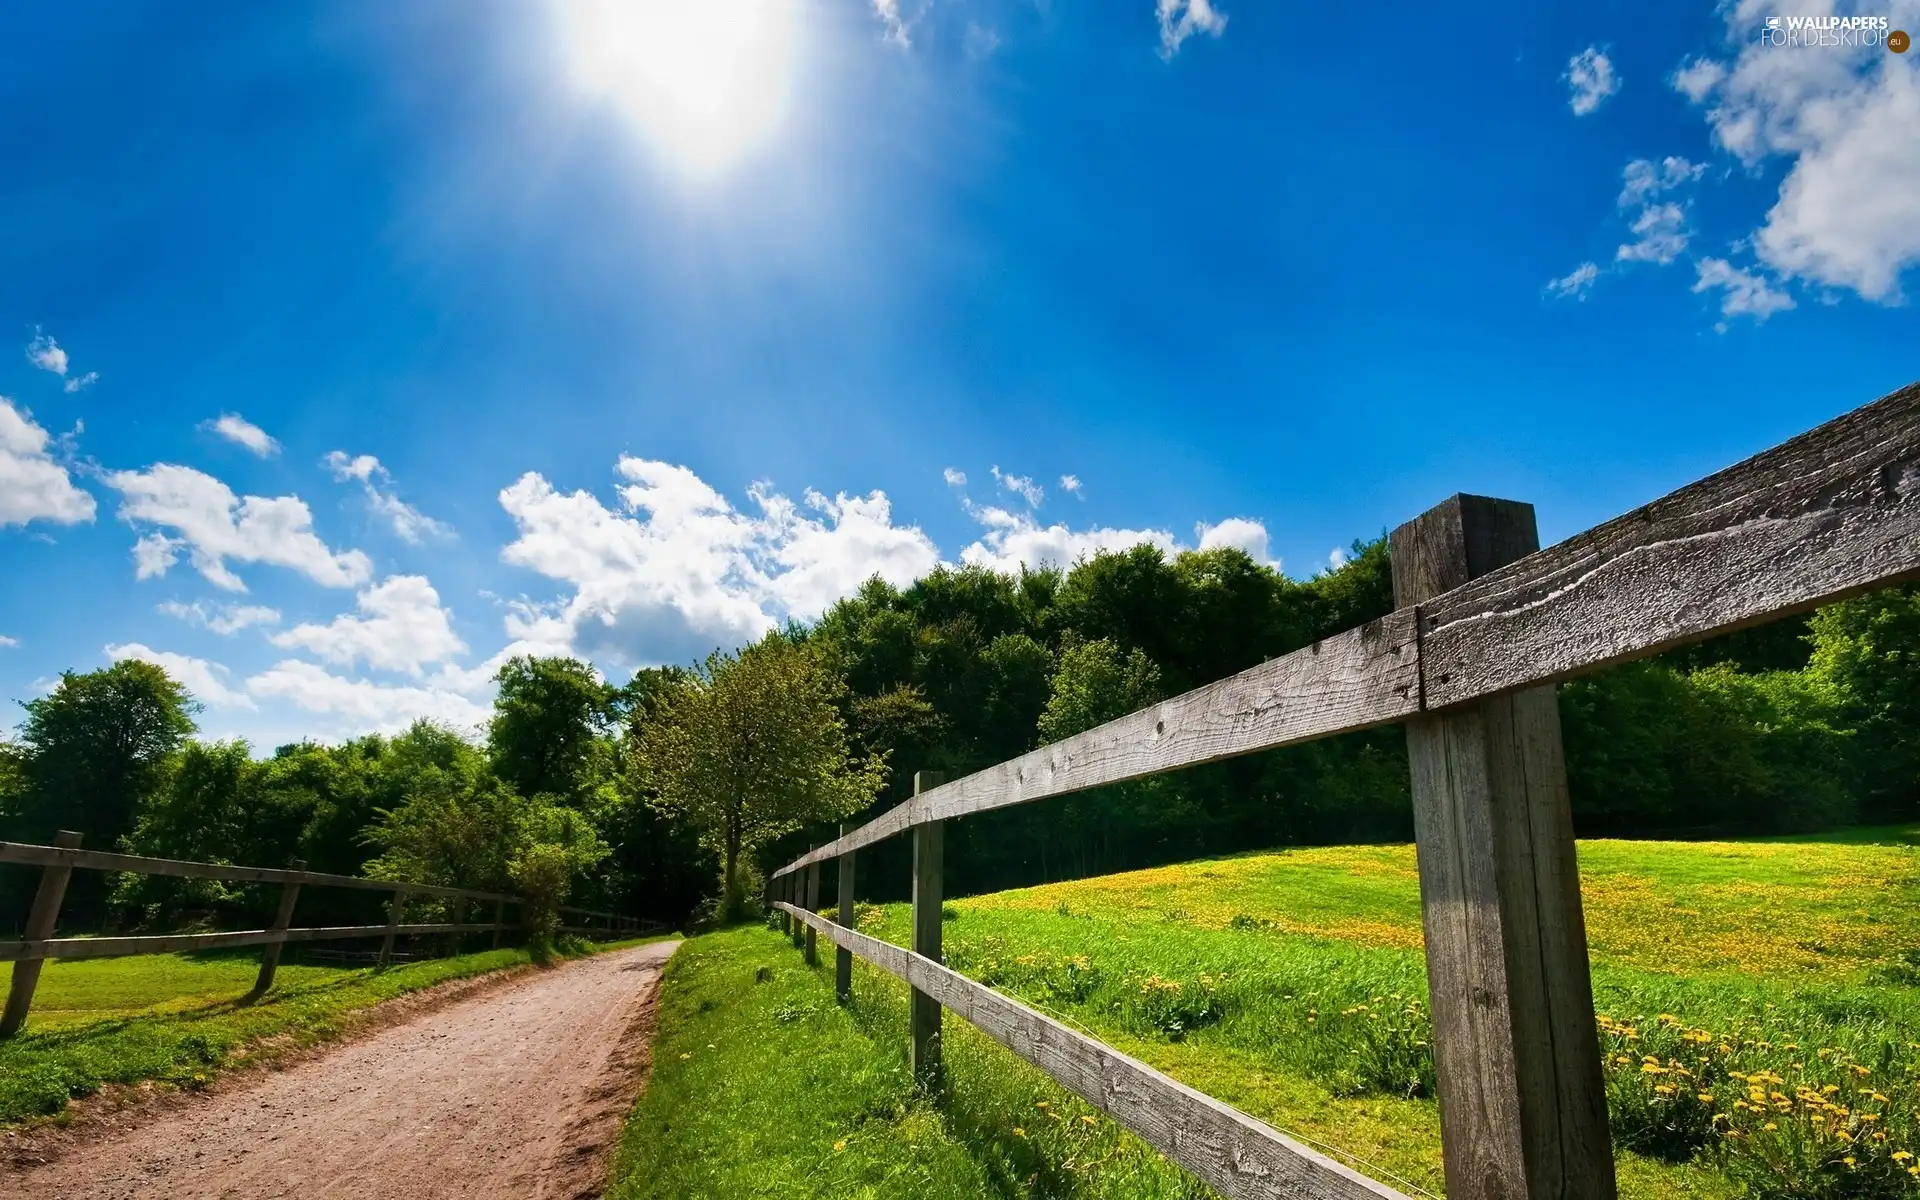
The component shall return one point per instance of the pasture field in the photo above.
(181, 1019)
(1759, 1001)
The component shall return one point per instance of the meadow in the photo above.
(180, 1020)
(1758, 1012)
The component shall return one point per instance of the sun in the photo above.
(705, 81)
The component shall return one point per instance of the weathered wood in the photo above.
(182, 943)
(929, 894)
(842, 957)
(1830, 513)
(797, 896)
(1237, 1156)
(395, 913)
(28, 854)
(813, 905)
(499, 921)
(1522, 1106)
(1364, 677)
(282, 918)
(41, 920)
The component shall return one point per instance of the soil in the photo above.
(516, 1090)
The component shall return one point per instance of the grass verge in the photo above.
(181, 1019)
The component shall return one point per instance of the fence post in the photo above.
(797, 896)
(813, 906)
(843, 957)
(1523, 1112)
(924, 1014)
(499, 921)
(41, 919)
(395, 911)
(270, 955)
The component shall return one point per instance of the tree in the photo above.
(1868, 650)
(751, 747)
(95, 748)
(547, 720)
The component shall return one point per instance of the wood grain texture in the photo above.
(1237, 1156)
(28, 854)
(282, 921)
(1522, 1105)
(1364, 677)
(813, 905)
(929, 896)
(1830, 513)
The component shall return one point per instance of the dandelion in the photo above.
(840, 1145)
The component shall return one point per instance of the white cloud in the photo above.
(1241, 534)
(1575, 283)
(223, 619)
(954, 478)
(1848, 211)
(982, 40)
(401, 626)
(1013, 540)
(1742, 293)
(361, 706)
(33, 487)
(676, 570)
(213, 525)
(1181, 19)
(407, 522)
(1072, 484)
(242, 432)
(206, 680)
(1336, 558)
(1591, 78)
(1021, 486)
(8, 643)
(45, 353)
(899, 27)
(1659, 225)
(79, 381)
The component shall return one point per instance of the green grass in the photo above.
(1292, 986)
(181, 1019)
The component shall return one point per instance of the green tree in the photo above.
(753, 746)
(96, 747)
(549, 720)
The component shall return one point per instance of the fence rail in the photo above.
(1485, 624)
(58, 862)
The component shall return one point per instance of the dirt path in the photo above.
(517, 1092)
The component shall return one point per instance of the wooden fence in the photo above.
(58, 862)
(1486, 624)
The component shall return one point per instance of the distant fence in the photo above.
(58, 862)
(1486, 625)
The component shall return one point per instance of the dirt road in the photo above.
(515, 1092)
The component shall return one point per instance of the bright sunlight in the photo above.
(705, 81)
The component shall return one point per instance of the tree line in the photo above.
(671, 794)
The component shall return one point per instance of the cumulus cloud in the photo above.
(1574, 284)
(242, 432)
(1072, 485)
(212, 525)
(407, 522)
(1182, 19)
(8, 643)
(358, 706)
(33, 487)
(898, 27)
(1021, 486)
(1742, 293)
(1336, 558)
(223, 619)
(45, 353)
(206, 680)
(1239, 533)
(1591, 79)
(399, 625)
(954, 478)
(674, 569)
(1659, 224)
(1848, 210)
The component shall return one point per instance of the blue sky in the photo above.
(358, 345)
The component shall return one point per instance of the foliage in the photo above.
(548, 719)
(752, 746)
